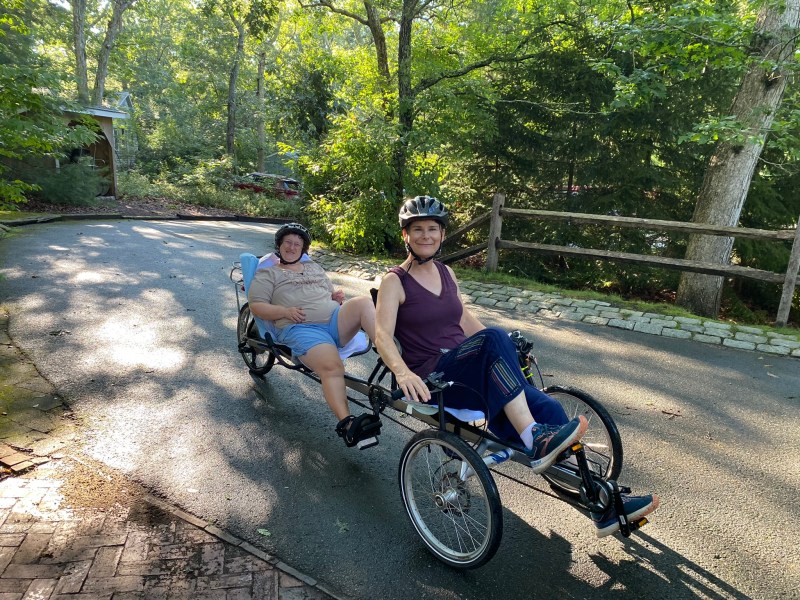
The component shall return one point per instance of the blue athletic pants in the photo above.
(487, 376)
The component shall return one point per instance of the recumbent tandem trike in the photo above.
(445, 471)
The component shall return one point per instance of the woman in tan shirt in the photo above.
(314, 320)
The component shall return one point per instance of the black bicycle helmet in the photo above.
(423, 207)
(285, 230)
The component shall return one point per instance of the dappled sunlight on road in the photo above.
(136, 323)
(139, 345)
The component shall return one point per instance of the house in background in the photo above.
(126, 142)
(103, 150)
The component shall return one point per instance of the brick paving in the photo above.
(142, 550)
(61, 538)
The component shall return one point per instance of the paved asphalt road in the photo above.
(134, 322)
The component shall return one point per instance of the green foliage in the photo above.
(346, 179)
(204, 187)
(362, 225)
(622, 101)
(31, 123)
(73, 184)
(135, 184)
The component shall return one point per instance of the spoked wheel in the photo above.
(258, 362)
(451, 498)
(602, 443)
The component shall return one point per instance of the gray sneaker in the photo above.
(636, 507)
(549, 441)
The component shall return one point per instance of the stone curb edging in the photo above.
(594, 312)
(238, 542)
(543, 304)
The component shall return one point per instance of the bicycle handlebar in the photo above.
(433, 381)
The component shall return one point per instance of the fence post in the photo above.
(790, 282)
(495, 229)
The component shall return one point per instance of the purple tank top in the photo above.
(427, 323)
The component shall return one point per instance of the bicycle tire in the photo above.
(602, 442)
(259, 363)
(460, 519)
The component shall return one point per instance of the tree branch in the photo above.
(339, 11)
(428, 83)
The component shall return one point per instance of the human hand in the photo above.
(295, 314)
(338, 296)
(414, 387)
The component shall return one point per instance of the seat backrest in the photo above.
(250, 264)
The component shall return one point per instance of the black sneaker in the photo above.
(549, 441)
(635, 507)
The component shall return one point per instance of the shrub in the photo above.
(196, 190)
(74, 184)
(135, 184)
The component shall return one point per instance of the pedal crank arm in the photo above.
(590, 492)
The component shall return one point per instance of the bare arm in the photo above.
(273, 312)
(390, 297)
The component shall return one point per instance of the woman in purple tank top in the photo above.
(420, 306)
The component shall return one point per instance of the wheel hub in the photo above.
(452, 495)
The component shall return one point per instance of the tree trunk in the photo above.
(731, 167)
(379, 39)
(79, 40)
(382, 56)
(114, 27)
(405, 95)
(234, 76)
(261, 137)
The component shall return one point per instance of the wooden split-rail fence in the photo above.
(495, 243)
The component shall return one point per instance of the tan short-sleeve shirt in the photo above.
(310, 290)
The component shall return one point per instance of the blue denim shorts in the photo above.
(304, 336)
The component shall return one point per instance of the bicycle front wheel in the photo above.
(451, 499)
(601, 442)
(259, 362)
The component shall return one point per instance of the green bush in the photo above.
(364, 225)
(135, 184)
(74, 184)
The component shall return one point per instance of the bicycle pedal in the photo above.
(367, 443)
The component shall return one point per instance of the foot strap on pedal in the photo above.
(361, 431)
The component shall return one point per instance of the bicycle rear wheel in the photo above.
(451, 499)
(601, 442)
(259, 362)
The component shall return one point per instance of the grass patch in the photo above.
(16, 215)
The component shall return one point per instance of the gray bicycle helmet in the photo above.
(285, 230)
(295, 228)
(423, 207)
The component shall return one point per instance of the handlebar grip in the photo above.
(433, 381)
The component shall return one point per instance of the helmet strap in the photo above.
(286, 262)
(422, 261)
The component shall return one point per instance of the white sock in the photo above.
(527, 435)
